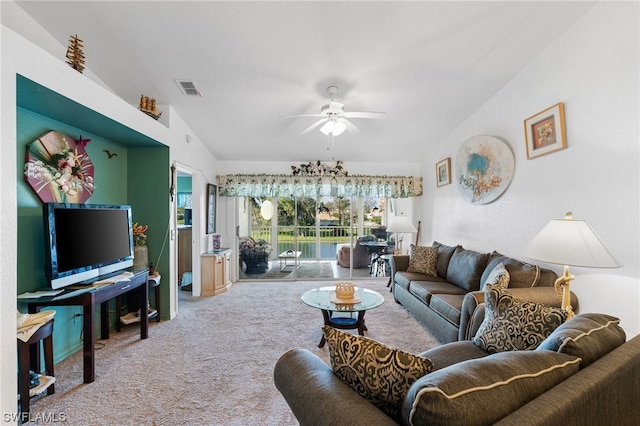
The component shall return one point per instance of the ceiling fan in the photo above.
(334, 119)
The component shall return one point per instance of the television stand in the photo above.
(89, 299)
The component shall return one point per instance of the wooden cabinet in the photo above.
(184, 251)
(215, 272)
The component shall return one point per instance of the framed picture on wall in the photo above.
(545, 132)
(211, 208)
(443, 172)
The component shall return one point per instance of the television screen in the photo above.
(86, 241)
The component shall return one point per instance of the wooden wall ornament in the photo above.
(75, 54)
(58, 168)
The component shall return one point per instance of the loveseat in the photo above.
(448, 298)
(583, 374)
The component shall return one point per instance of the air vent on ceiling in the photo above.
(188, 88)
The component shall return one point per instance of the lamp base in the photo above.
(562, 286)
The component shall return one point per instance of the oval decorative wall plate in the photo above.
(484, 168)
(59, 169)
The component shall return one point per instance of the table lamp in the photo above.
(569, 242)
(401, 224)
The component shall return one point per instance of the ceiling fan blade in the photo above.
(313, 126)
(350, 126)
(303, 115)
(364, 114)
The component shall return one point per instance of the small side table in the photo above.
(27, 361)
(289, 254)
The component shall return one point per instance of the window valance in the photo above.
(312, 186)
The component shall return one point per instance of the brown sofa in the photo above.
(603, 391)
(451, 304)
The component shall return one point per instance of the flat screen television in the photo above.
(86, 241)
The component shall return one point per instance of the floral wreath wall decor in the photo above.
(319, 169)
(484, 168)
(58, 168)
(545, 132)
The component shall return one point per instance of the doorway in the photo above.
(184, 229)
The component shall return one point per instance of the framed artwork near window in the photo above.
(443, 172)
(211, 208)
(545, 132)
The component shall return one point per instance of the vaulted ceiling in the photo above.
(427, 64)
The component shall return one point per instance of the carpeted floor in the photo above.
(213, 364)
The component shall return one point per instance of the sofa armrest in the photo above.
(318, 397)
(399, 262)
(472, 313)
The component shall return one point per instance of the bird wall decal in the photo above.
(110, 154)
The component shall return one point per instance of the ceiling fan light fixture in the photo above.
(333, 127)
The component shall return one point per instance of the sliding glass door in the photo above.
(304, 238)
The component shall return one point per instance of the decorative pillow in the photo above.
(466, 267)
(375, 371)
(522, 274)
(511, 324)
(423, 260)
(444, 256)
(589, 336)
(499, 277)
(483, 391)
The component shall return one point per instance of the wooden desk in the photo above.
(89, 298)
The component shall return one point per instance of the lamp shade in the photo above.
(401, 223)
(570, 242)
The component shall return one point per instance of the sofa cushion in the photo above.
(498, 277)
(377, 372)
(466, 267)
(423, 260)
(522, 274)
(589, 336)
(448, 306)
(483, 391)
(404, 279)
(423, 290)
(444, 256)
(511, 324)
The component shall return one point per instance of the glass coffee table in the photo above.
(346, 316)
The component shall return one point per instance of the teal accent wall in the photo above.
(148, 189)
(138, 175)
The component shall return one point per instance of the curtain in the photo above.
(311, 186)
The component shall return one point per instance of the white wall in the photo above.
(593, 69)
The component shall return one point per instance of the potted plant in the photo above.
(255, 255)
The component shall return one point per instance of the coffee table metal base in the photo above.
(343, 323)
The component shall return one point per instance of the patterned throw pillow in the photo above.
(511, 324)
(499, 277)
(375, 371)
(423, 260)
